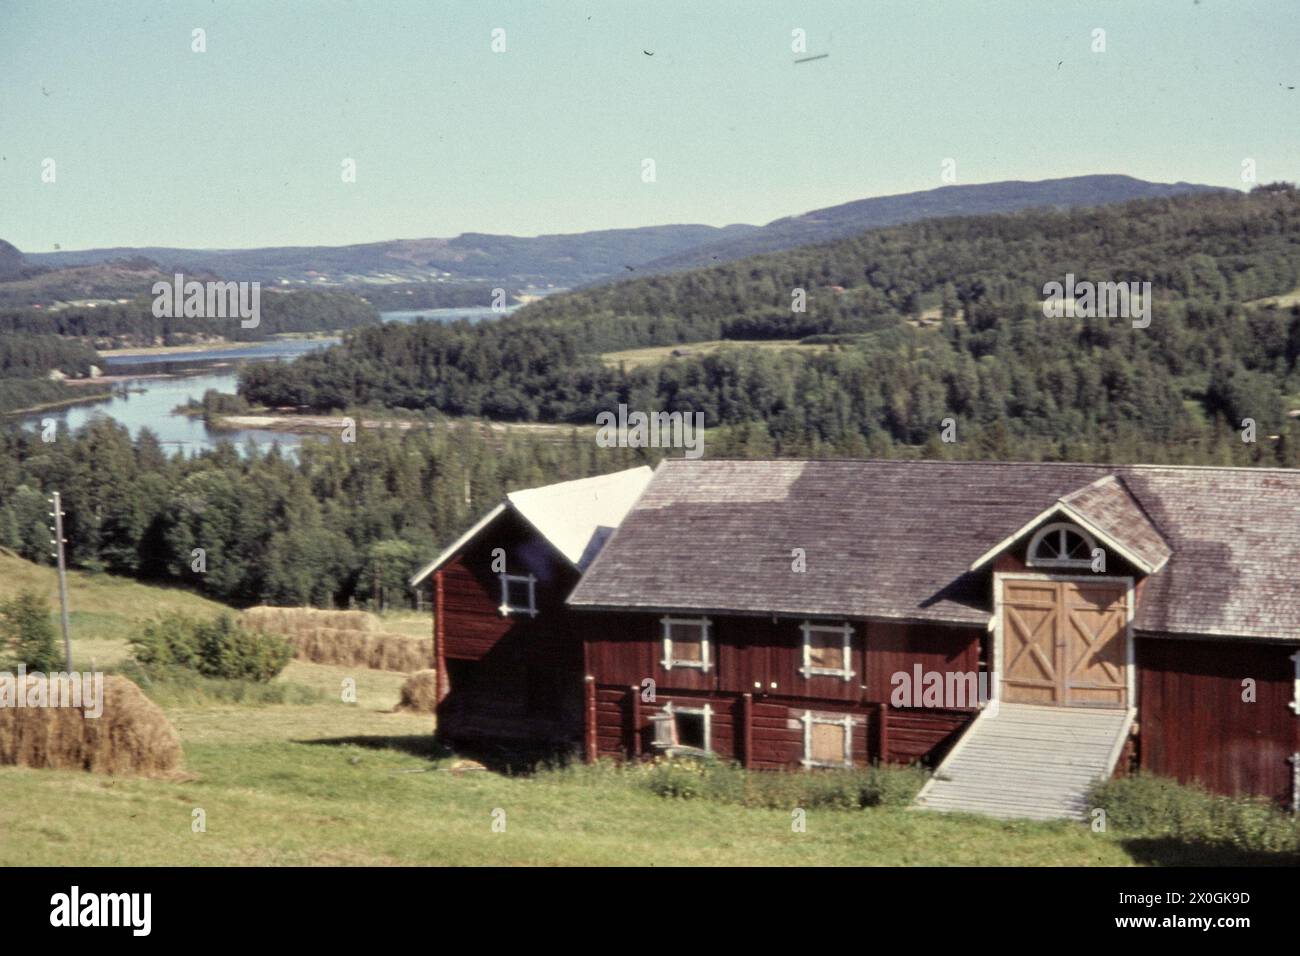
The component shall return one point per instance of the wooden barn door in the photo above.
(1095, 620)
(1065, 642)
(1031, 643)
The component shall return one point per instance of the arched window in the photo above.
(1061, 545)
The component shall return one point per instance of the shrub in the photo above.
(27, 634)
(709, 779)
(183, 687)
(219, 647)
(1160, 807)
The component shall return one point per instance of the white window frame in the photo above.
(807, 670)
(1295, 688)
(668, 662)
(1059, 527)
(809, 719)
(506, 607)
(705, 711)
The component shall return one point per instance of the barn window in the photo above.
(684, 729)
(827, 650)
(518, 594)
(827, 741)
(1295, 688)
(1061, 545)
(686, 642)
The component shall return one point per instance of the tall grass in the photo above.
(1151, 806)
(182, 687)
(728, 783)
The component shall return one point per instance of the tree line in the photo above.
(133, 322)
(338, 523)
(916, 324)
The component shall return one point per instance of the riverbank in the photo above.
(223, 346)
(294, 423)
(88, 395)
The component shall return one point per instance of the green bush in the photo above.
(214, 648)
(27, 634)
(1160, 807)
(183, 687)
(694, 778)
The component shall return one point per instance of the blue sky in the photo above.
(241, 145)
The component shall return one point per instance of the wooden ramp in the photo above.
(1029, 761)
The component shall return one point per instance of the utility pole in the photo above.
(59, 541)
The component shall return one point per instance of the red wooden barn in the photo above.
(1024, 628)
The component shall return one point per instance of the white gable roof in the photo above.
(575, 517)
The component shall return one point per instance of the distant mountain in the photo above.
(838, 222)
(588, 257)
(556, 259)
(12, 262)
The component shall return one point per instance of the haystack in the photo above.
(341, 637)
(131, 735)
(420, 693)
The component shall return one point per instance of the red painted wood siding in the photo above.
(473, 623)
(623, 649)
(1194, 725)
(626, 648)
(509, 676)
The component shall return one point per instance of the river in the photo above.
(157, 384)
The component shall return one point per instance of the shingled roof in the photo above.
(1109, 511)
(897, 539)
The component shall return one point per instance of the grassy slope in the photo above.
(634, 358)
(105, 610)
(334, 783)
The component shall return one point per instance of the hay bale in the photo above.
(131, 735)
(351, 638)
(291, 620)
(420, 693)
(397, 652)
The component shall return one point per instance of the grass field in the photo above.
(1283, 301)
(325, 782)
(633, 358)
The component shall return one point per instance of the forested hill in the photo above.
(903, 328)
(562, 260)
(848, 219)
(571, 259)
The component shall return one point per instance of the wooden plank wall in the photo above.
(519, 676)
(1194, 726)
(623, 649)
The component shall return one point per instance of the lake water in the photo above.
(145, 400)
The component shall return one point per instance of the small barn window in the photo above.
(827, 741)
(827, 650)
(684, 729)
(1061, 545)
(1295, 688)
(518, 594)
(686, 642)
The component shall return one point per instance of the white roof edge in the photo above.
(522, 502)
(1071, 513)
(1011, 539)
(455, 546)
(1129, 556)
